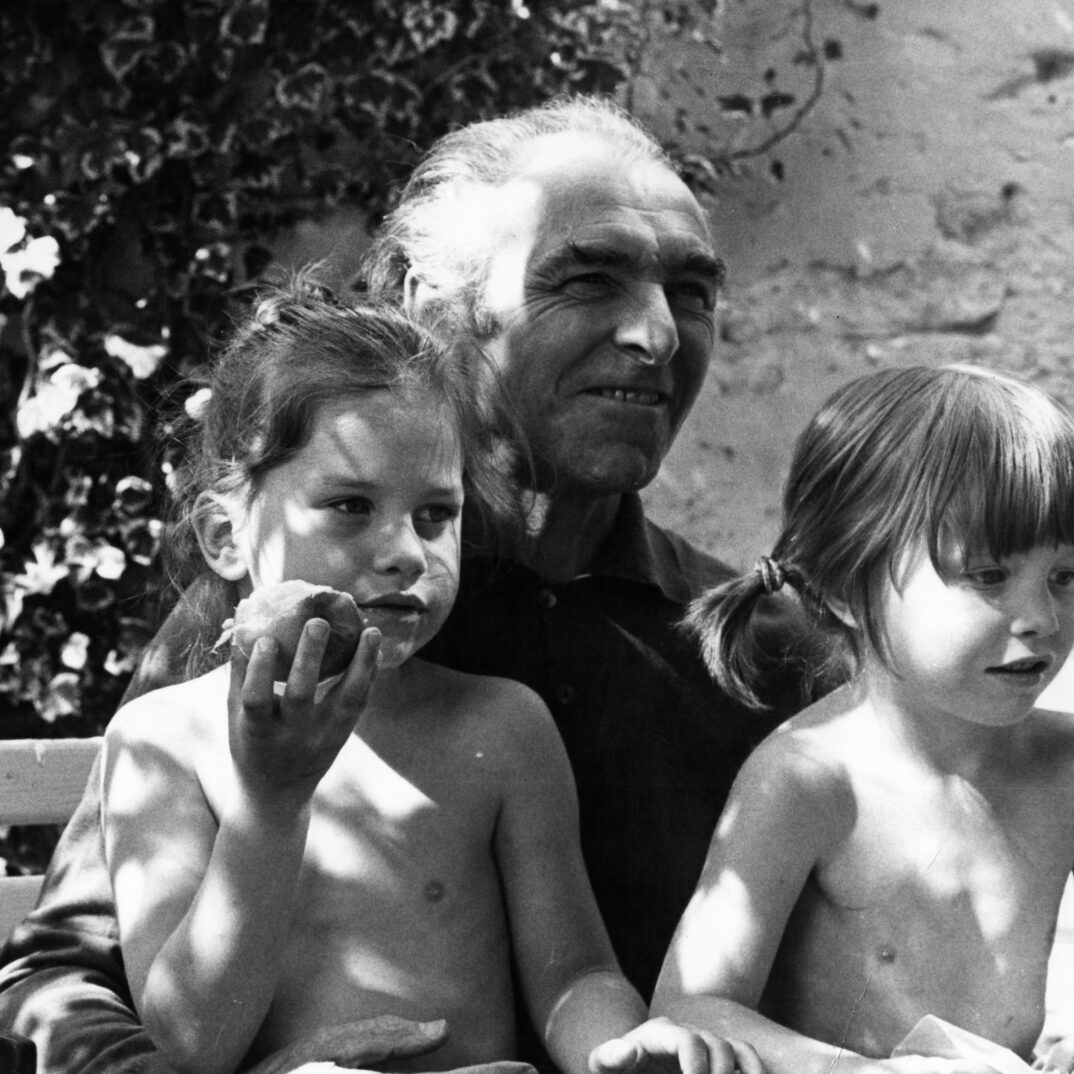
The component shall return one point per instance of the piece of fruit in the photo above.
(281, 611)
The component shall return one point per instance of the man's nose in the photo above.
(647, 331)
(400, 551)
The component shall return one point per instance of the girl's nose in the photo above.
(400, 552)
(1037, 614)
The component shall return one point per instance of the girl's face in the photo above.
(980, 639)
(370, 506)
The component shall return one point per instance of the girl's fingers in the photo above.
(749, 1062)
(251, 681)
(306, 667)
(354, 689)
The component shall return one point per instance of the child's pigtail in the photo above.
(746, 631)
(721, 620)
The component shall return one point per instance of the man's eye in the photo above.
(588, 279)
(695, 294)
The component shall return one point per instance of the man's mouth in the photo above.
(629, 395)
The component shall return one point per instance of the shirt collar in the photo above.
(640, 551)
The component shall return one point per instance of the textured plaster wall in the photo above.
(925, 214)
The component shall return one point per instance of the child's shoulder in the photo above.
(812, 752)
(494, 708)
(481, 695)
(182, 713)
(1050, 743)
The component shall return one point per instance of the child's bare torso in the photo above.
(399, 909)
(940, 897)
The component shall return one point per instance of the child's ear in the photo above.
(845, 616)
(216, 519)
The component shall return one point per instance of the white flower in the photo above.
(197, 403)
(142, 361)
(12, 229)
(111, 562)
(55, 399)
(62, 698)
(42, 574)
(24, 269)
(75, 651)
(75, 378)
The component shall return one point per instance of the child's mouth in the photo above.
(1030, 670)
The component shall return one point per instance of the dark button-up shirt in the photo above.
(653, 743)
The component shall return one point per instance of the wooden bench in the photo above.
(41, 782)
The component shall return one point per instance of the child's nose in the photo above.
(1037, 614)
(400, 551)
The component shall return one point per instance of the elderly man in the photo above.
(581, 265)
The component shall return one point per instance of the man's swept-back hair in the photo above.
(954, 458)
(435, 227)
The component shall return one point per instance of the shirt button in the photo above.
(564, 693)
(546, 598)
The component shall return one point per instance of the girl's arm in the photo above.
(204, 902)
(576, 994)
(785, 811)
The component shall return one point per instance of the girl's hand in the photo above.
(925, 1064)
(356, 1045)
(1059, 1056)
(661, 1045)
(282, 746)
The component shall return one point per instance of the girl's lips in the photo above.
(1022, 667)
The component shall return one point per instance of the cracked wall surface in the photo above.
(923, 211)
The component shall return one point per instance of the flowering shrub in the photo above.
(153, 151)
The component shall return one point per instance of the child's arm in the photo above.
(576, 995)
(203, 902)
(784, 812)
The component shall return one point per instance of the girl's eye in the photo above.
(1064, 577)
(437, 514)
(985, 576)
(352, 505)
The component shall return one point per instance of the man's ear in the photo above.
(417, 292)
(216, 518)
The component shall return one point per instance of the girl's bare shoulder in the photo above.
(808, 761)
(177, 718)
(488, 709)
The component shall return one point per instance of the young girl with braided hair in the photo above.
(899, 849)
(292, 857)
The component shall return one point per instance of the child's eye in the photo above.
(437, 514)
(985, 576)
(352, 505)
(1064, 576)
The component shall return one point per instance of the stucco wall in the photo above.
(925, 214)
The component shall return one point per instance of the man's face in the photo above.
(602, 284)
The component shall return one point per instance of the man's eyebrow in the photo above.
(615, 256)
(707, 265)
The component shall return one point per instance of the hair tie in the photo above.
(772, 574)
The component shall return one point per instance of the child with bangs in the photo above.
(899, 849)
